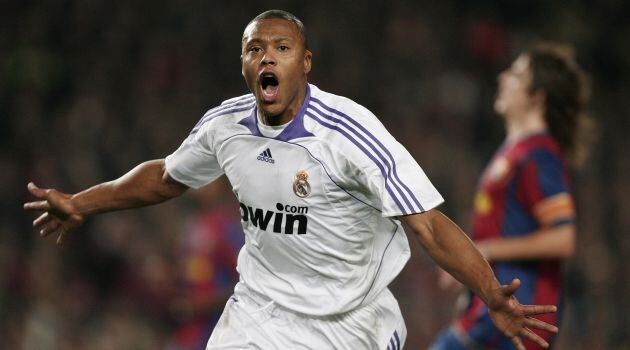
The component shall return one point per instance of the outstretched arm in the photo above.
(146, 184)
(453, 251)
(548, 243)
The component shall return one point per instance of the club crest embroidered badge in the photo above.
(301, 187)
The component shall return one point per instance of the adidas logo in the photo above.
(265, 156)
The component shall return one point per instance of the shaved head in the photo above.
(279, 14)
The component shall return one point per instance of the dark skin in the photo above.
(454, 252)
(275, 46)
(146, 184)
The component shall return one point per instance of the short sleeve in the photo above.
(543, 189)
(195, 163)
(392, 178)
(398, 183)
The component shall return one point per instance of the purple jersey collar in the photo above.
(294, 130)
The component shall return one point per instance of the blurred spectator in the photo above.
(208, 248)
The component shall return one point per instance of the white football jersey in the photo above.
(318, 201)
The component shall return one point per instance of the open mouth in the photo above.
(269, 83)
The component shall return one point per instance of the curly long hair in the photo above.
(566, 88)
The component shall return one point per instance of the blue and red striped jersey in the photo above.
(525, 188)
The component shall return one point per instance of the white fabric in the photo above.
(252, 321)
(270, 130)
(342, 247)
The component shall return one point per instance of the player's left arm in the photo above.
(550, 243)
(543, 190)
(447, 244)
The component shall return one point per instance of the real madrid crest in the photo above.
(301, 187)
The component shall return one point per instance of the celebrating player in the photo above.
(323, 188)
(524, 220)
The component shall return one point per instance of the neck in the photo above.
(525, 124)
(275, 120)
(288, 114)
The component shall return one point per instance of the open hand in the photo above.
(59, 217)
(513, 318)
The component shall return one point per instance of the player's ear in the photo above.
(242, 67)
(242, 51)
(307, 61)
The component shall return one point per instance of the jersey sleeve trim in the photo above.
(554, 209)
(379, 154)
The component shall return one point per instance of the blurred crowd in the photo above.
(89, 89)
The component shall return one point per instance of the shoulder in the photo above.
(542, 143)
(325, 103)
(238, 99)
(351, 129)
(533, 147)
(334, 116)
(540, 154)
(230, 111)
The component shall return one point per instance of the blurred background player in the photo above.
(208, 249)
(524, 221)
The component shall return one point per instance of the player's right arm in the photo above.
(449, 246)
(146, 184)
